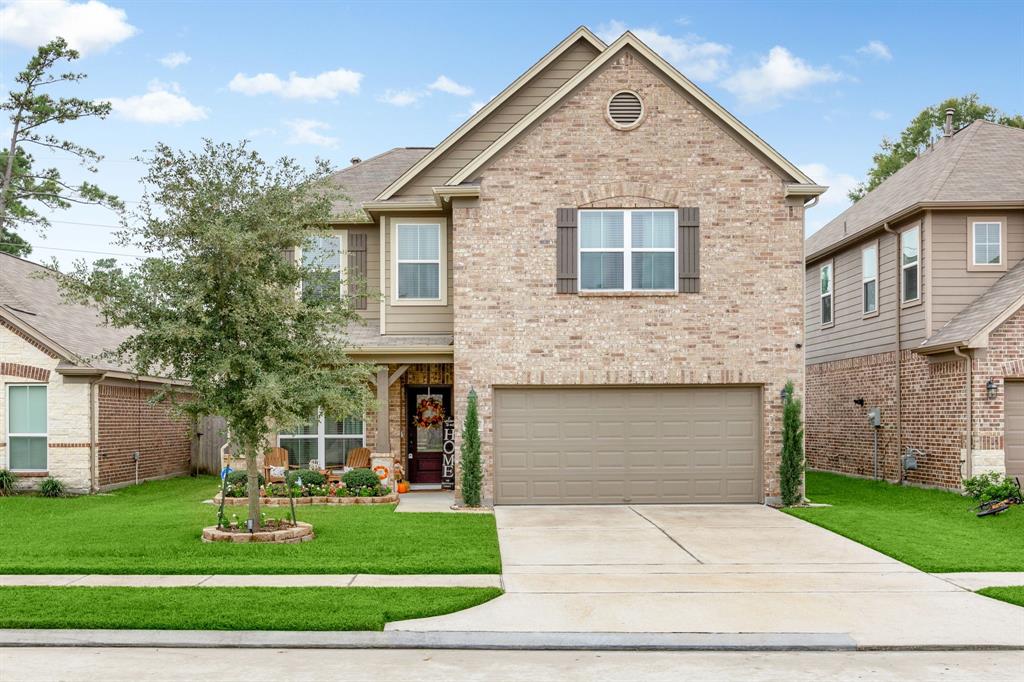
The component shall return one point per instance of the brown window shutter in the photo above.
(689, 250)
(565, 225)
(356, 275)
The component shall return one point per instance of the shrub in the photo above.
(241, 478)
(472, 476)
(51, 487)
(990, 486)
(7, 480)
(360, 478)
(308, 476)
(791, 469)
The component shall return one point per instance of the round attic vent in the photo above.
(625, 110)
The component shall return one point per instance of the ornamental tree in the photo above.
(791, 469)
(472, 477)
(24, 187)
(215, 299)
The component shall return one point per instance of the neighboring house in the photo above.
(64, 412)
(914, 299)
(610, 260)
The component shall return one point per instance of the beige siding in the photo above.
(504, 117)
(853, 335)
(416, 319)
(954, 286)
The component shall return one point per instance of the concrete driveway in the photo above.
(738, 570)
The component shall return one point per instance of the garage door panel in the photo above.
(594, 445)
(1014, 436)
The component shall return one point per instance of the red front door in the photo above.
(426, 410)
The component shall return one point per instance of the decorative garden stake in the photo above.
(223, 494)
(471, 474)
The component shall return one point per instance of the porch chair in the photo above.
(358, 458)
(275, 465)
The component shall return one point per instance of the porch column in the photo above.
(383, 412)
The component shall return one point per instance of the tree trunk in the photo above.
(253, 488)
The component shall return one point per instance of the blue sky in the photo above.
(820, 81)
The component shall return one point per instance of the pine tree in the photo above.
(791, 470)
(471, 474)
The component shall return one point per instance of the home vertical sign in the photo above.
(448, 456)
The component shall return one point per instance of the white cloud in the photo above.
(173, 60)
(876, 49)
(446, 84)
(880, 115)
(306, 131)
(87, 26)
(164, 103)
(780, 74)
(260, 132)
(834, 201)
(697, 58)
(401, 98)
(326, 85)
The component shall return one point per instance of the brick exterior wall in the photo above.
(511, 328)
(128, 422)
(838, 437)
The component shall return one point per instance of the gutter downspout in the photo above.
(899, 353)
(969, 429)
(94, 450)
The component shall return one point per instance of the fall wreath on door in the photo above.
(429, 412)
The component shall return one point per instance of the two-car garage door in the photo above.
(615, 445)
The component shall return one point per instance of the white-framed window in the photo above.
(869, 279)
(326, 254)
(825, 275)
(987, 247)
(628, 250)
(419, 275)
(910, 265)
(27, 430)
(324, 441)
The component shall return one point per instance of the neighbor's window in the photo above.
(869, 278)
(910, 249)
(988, 242)
(419, 261)
(628, 250)
(26, 427)
(324, 441)
(826, 294)
(323, 254)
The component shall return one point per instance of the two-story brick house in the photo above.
(913, 307)
(610, 260)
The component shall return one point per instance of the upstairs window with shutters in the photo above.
(322, 255)
(624, 250)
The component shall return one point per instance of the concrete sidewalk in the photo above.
(300, 580)
(976, 581)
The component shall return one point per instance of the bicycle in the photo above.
(993, 507)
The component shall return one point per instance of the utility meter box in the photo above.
(875, 417)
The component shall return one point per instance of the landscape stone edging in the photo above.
(390, 498)
(301, 532)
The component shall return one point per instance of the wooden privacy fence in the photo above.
(208, 437)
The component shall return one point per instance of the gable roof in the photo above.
(31, 301)
(627, 39)
(581, 33)
(981, 163)
(971, 326)
(363, 181)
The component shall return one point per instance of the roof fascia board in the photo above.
(628, 39)
(582, 33)
(980, 340)
(38, 336)
(799, 190)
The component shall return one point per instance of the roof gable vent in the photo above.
(625, 110)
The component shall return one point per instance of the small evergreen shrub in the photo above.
(472, 475)
(308, 476)
(357, 479)
(7, 480)
(990, 486)
(51, 487)
(241, 478)
(791, 469)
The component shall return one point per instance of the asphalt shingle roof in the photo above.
(982, 162)
(363, 181)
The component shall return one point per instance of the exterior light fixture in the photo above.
(784, 395)
(991, 388)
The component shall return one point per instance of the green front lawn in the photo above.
(932, 530)
(1013, 595)
(229, 608)
(155, 528)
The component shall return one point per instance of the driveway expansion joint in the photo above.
(666, 534)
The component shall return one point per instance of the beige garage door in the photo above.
(1015, 429)
(614, 445)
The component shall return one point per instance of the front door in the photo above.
(426, 409)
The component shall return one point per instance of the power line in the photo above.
(97, 253)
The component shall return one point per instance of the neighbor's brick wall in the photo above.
(512, 328)
(23, 361)
(128, 422)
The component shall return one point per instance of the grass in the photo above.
(1013, 595)
(155, 528)
(229, 608)
(932, 530)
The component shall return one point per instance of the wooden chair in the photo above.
(358, 458)
(275, 458)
